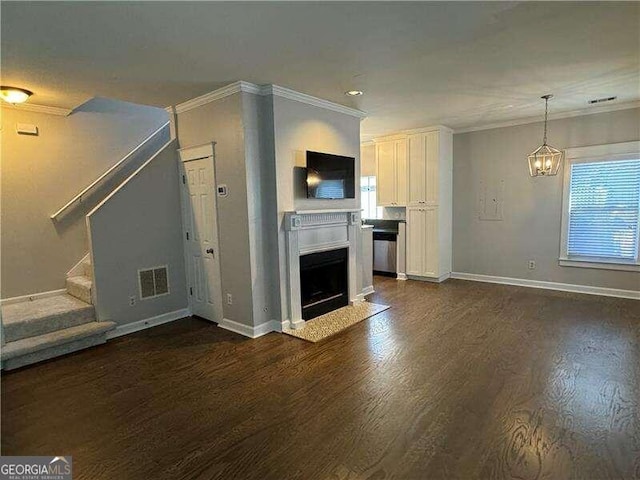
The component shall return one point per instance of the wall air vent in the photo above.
(602, 100)
(153, 282)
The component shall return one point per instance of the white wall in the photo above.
(532, 206)
(139, 227)
(42, 173)
(299, 127)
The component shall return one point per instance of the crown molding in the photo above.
(393, 136)
(274, 90)
(431, 128)
(552, 116)
(310, 100)
(32, 107)
(403, 134)
(218, 94)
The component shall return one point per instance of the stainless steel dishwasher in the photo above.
(384, 253)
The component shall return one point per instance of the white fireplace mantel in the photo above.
(318, 231)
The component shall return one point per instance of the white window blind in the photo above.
(604, 207)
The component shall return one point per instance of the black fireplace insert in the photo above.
(323, 282)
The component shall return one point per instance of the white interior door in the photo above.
(201, 238)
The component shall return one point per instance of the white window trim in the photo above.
(595, 153)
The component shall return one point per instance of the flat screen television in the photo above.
(330, 176)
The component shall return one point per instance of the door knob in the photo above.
(210, 250)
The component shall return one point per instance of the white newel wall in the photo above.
(318, 231)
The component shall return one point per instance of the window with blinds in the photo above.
(604, 210)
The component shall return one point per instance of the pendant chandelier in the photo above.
(545, 160)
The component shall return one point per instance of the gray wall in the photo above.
(532, 206)
(299, 127)
(42, 173)
(140, 227)
(262, 205)
(222, 121)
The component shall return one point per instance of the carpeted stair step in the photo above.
(80, 287)
(43, 347)
(44, 315)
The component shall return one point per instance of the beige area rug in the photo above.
(334, 322)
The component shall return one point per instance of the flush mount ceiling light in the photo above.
(14, 94)
(354, 93)
(545, 160)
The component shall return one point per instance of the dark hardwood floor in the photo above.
(460, 380)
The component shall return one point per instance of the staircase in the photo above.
(40, 329)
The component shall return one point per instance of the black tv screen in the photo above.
(330, 176)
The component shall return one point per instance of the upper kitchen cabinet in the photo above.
(430, 165)
(391, 172)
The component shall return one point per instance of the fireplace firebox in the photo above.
(323, 282)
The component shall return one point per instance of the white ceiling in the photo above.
(460, 64)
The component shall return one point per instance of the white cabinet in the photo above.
(429, 203)
(424, 168)
(422, 242)
(391, 173)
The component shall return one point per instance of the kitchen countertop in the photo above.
(384, 226)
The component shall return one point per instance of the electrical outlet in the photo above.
(132, 301)
(229, 299)
(532, 264)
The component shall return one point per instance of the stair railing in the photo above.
(78, 197)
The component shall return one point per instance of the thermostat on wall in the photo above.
(222, 190)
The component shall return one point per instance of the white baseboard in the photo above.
(367, 291)
(402, 276)
(444, 277)
(33, 296)
(439, 279)
(128, 328)
(563, 287)
(251, 332)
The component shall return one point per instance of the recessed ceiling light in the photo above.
(14, 94)
(354, 93)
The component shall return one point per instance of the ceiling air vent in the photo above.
(602, 100)
(153, 282)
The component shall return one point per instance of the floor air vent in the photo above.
(153, 282)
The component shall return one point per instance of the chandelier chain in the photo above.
(546, 113)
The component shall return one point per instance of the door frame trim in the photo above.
(187, 154)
